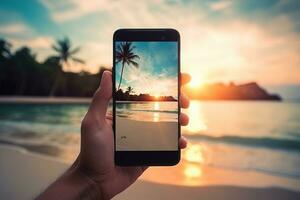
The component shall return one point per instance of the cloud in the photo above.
(214, 50)
(66, 10)
(220, 5)
(145, 82)
(96, 54)
(40, 45)
(16, 28)
(19, 34)
(131, 12)
(242, 51)
(34, 43)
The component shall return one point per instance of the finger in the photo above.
(185, 78)
(109, 116)
(109, 113)
(109, 119)
(182, 142)
(184, 119)
(184, 101)
(102, 96)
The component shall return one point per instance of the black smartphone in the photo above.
(146, 92)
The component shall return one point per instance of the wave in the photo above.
(65, 147)
(47, 149)
(264, 142)
(265, 170)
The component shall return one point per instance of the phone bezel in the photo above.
(145, 158)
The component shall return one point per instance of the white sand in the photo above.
(152, 136)
(23, 175)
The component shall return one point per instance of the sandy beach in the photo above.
(24, 175)
(129, 140)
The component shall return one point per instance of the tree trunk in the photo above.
(121, 76)
(55, 84)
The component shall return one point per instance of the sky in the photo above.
(157, 71)
(221, 40)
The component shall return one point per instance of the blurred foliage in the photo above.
(22, 74)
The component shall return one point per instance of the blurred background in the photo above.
(243, 57)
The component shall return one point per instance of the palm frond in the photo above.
(65, 51)
(74, 51)
(56, 48)
(134, 63)
(78, 60)
(133, 56)
(54, 58)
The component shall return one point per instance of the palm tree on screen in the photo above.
(126, 55)
(129, 89)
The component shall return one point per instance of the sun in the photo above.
(156, 96)
(195, 83)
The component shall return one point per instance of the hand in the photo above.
(95, 168)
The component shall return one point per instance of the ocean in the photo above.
(148, 111)
(239, 135)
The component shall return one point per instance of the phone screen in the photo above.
(146, 95)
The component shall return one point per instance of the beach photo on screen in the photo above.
(146, 84)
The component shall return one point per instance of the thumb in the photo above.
(102, 96)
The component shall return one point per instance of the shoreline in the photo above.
(34, 166)
(44, 100)
(210, 175)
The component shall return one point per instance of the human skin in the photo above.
(94, 175)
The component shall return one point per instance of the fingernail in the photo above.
(104, 77)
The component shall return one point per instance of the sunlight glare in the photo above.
(197, 122)
(156, 107)
(194, 153)
(195, 82)
(192, 171)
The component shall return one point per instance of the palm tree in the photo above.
(125, 55)
(5, 48)
(65, 54)
(5, 54)
(129, 89)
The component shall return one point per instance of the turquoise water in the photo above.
(259, 136)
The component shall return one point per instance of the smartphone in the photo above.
(146, 92)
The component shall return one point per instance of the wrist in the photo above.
(72, 185)
(87, 188)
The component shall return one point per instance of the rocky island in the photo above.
(231, 91)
